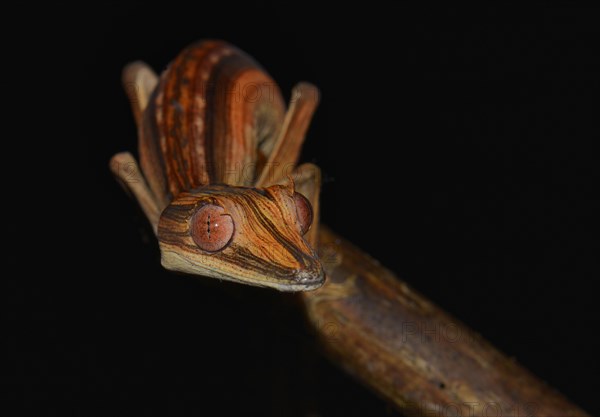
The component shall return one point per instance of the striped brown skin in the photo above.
(266, 250)
(214, 118)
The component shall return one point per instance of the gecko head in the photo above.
(248, 235)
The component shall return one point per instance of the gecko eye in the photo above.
(211, 229)
(304, 212)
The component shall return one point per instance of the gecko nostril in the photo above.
(310, 275)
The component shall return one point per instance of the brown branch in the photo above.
(410, 351)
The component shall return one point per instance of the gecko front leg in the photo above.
(125, 168)
(139, 81)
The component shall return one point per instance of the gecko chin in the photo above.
(291, 280)
(240, 234)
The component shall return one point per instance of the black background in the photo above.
(456, 147)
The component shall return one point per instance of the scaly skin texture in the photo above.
(213, 125)
(259, 247)
(217, 116)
